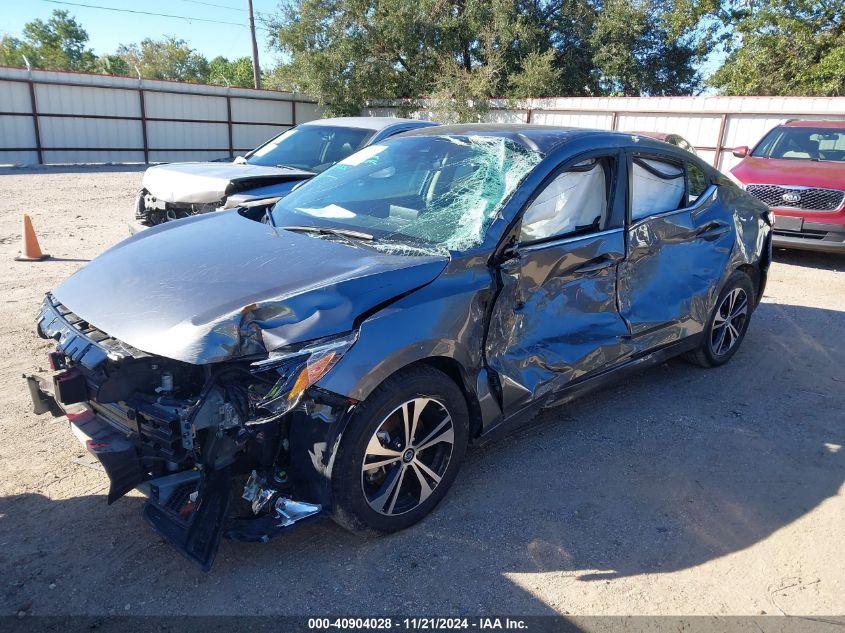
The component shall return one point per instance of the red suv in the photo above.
(798, 170)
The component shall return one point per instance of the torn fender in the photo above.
(445, 319)
(220, 286)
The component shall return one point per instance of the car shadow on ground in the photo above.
(669, 470)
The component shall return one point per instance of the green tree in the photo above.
(167, 58)
(538, 77)
(462, 52)
(345, 52)
(237, 72)
(783, 47)
(113, 65)
(635, 53)
(57, 44)
(10, 51)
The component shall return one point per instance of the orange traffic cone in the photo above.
(31, 251)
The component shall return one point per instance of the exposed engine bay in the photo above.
(209, 444)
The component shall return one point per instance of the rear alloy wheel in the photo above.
(728, 324)
(401, 452)
(729, 321)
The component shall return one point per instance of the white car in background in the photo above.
(271, 171)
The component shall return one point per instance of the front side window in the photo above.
(656, 187)
(803, 143)
(441, 192)
(310, 147)
(575, 202)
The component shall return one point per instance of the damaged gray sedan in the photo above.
(335, 356)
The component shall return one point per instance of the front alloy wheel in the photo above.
(407, 456)
(400, 452)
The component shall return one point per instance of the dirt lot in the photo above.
(681, 491)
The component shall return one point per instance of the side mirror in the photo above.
(741, 152)
(239, 160)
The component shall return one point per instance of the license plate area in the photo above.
(788, 223)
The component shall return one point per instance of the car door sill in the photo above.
(524, 415)
(651, 330)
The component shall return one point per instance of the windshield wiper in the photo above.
(291, 167)
(357, 235)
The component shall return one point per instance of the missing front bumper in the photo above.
(117, 454)
(189, 508)
(43, 400)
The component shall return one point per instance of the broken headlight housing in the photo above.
(297, 368)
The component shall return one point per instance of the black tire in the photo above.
(351, 484)
(710, 353)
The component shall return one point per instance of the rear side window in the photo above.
(697, 183)
(656, 187)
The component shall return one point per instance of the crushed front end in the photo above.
(241, 448)
(151, 211)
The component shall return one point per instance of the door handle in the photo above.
(712, 230)
(597, 263)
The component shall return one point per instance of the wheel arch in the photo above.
(455, 371)
(756, 276)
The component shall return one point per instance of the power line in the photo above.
(219, 6)
(229, 7)
(187, 18)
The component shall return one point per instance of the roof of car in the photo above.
(827, 124)
(375, 123)
(543, 138)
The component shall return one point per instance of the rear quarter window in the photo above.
(697, 182)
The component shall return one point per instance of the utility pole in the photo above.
(256, 69)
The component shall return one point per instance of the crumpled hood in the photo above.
(219, 286)
(198, 183)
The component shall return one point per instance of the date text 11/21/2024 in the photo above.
(423, 623)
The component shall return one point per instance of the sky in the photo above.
(108, 29)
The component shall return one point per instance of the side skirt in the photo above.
(577, 388)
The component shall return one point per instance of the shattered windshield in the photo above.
(430, 193)
(310, 147)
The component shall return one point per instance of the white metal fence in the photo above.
(51, 117)
(712, 124)
(59, 117)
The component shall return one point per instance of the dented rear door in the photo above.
(678, 251)
(556, 319)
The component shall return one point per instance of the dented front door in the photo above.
(556, 318)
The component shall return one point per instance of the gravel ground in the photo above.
(681, 491)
